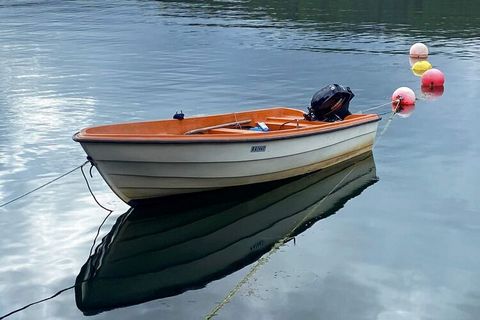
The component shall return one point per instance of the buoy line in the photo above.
(379, 106)
(385, 128)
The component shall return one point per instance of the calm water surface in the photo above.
(405, 247)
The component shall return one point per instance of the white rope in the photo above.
(43, 185)
(387, 124)
(379, 106)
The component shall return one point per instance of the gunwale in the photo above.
(176, 131)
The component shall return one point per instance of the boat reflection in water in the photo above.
(185, 242)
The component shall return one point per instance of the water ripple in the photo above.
(65, 65)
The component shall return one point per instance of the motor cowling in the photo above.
(330, 103)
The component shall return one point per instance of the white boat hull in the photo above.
(137, 171)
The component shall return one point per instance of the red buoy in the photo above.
(403, 96)
(433, 78)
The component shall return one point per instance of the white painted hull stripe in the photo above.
(236, 161)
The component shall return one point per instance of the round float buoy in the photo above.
(403, 96)
(403, 111)
(432, 93)
(419, 50)
(433, 78)
(420, 67)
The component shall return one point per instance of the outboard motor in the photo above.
(330, 104)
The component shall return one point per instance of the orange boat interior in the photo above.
(280, 121)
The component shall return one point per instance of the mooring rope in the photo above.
(99, 204)
(36, 302)
(43, 185)
(387, 124)
(379, 106)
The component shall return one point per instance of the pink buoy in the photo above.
(403, 111)
(403, 96)
(433, 78)
(431, 93)
(419, 50)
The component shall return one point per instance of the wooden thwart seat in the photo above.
(217, 126)
(288, 124)
(230, 131)
(288, 118)
(278, 123)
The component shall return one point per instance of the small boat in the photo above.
(152, 159)
(159, 251)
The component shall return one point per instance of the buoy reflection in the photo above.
(432, 93)
(403, 111)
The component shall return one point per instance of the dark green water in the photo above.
(404, 247)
